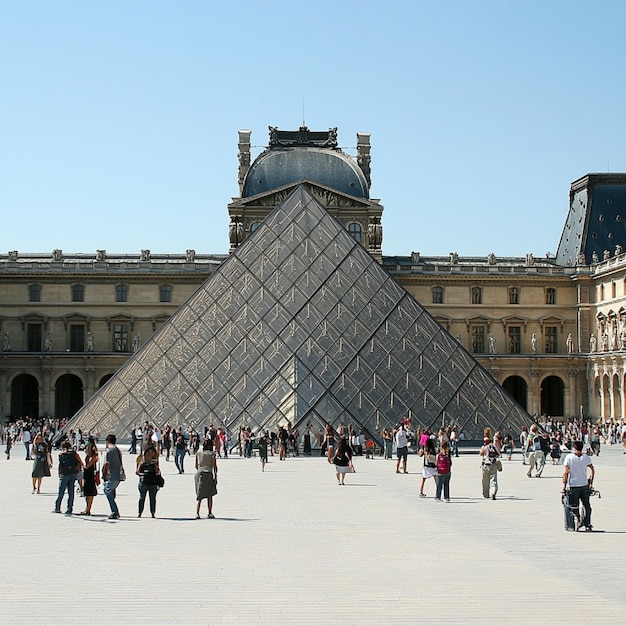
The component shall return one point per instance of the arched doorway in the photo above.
(517, 388)
(69, 395)
(616, 404)
(552, 397)
(104, 380)
(24, 396)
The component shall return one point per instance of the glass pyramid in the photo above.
(300, 324)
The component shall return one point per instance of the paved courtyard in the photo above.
(289, 546)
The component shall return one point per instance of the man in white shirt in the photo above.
(579, 472)
(402, 448)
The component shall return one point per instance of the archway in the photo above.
(104, 380)
(69, 395)
(552, 397)
(616, 404)
(24, 396)
(517, 388)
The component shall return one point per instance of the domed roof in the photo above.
(281, 166)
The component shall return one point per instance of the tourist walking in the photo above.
(402, 448)
(444, 467)
(42, 462)
(263, 444)
(430, 464)
(578, 472)
(180, 450)
(69, 465)
(343, 461)
(91, 475)
(489, 454)
(206, 477)
(150, 479)
(112, 473)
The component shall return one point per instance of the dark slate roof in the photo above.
(280, 166)
(596, 220)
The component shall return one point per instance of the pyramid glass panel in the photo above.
(301, 324)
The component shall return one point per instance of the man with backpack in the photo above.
(69, 466)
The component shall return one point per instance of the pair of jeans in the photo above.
(151, 490)
(443, 483)
(27, 446)
(575, 496)
(109, 491)
(179, 459)
(66, 483)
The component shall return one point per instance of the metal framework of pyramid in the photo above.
(300, 324)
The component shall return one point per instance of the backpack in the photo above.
(443, 463)
(67, 463)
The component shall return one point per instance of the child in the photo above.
(444, 465)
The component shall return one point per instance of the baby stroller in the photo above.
(570, 518)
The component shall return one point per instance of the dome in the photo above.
(277, 167)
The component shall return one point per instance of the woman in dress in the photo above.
(42, 462)
(343, 461)
(206, 477)
(149, 472)
(90, 486)
(430, 464)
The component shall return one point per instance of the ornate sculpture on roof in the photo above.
(57, 255)
(190, 255)
(530, 260)
(491, 258)
(618, 250)
(606, 255)
(303, 137)
(454, 258)
(235, 232)
(580, 259)
(375, 234)
(145, 255)
(101, 255)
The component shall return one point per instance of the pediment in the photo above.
(327, 197)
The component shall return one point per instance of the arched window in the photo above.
(354, 228)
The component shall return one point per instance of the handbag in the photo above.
(160, 481)
(499, 465)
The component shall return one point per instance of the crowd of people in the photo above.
(574, 441)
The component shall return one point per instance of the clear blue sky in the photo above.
(118, 125)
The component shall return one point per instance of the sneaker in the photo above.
(588, 528)
(55, 511)
(447, 499)
(211, 516)
(422, 495)
(438, 499)
(114, 516)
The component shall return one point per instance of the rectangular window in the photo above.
(437, 295)
(613, 290)
(77, 338)
(121, 293)
(550, 295)
(78, 293)
(34, 293)
(120, 338)
(551, 340)
(515, 339)
(478, 339)
(165, 292)
(33, 337)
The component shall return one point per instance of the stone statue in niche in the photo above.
(89, 341)
(534, 344)
(374, 233)
(569, 342)
(235, 231)
(6, 342)
(592, 343)
(136, 341)
(47, 343)
(492, 344)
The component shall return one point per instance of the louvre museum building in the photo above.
(306, 320)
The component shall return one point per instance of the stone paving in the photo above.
(289, 546)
